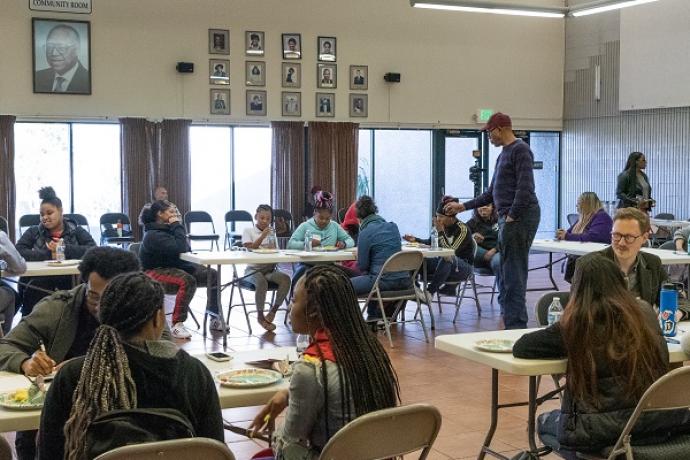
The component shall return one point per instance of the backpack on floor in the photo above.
(135, 426)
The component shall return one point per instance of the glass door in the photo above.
(460, 161)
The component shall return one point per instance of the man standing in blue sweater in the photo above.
(512, 193)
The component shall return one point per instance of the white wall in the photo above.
(451, 63)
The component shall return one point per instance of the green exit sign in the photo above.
(483, 115)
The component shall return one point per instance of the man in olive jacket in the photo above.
(64, 322)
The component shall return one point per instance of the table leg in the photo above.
(531, 413)
(220, 308)
(494, 416)
(549, 266)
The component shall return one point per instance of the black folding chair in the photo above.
(232, 217)
(200, 218)
(109, 234)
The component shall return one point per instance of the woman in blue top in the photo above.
(378, 240)
(324, 232)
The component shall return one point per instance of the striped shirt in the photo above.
(512, 187)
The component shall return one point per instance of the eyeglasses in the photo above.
(628, 238)
(62, 49)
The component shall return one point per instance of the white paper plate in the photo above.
(7, 402)
(248, 378)
(265, 251)
(495, 345)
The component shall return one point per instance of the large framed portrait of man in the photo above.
(61, 56)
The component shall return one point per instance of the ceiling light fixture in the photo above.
(604, 5)
(486, 6)
(491, 8)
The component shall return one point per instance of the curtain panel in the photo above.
(154, 154)
(287, 168)
(333, 159)
(7, 181)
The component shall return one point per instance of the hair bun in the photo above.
(47, 193)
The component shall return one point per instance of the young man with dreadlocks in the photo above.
(127, 366)
(65, 322)
(452, 234)
(344, 359)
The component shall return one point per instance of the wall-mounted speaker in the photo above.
(392, 77)
(185, 67)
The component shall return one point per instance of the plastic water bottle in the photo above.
(60, 251)
(555, 311)
(303, 341)
(271, 241)
(668, 304)
(307, 241)
(434, 239)
(119, 228)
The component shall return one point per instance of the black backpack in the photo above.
(135, 426)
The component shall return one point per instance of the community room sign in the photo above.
(61, 6)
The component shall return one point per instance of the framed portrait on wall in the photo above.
(220, 101)
(254, 43)
(218, 41)
(359, 77)
(327, 50)
(61, 56)
(255, 73)
(291, 103)
(292, 46)
(359, 105)
(325, 104)
(326, 76)
(256, 102)
(219, 71)
(292, 75)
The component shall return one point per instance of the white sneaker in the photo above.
(180, 332)
(217, 325)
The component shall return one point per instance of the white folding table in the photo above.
(463, 345)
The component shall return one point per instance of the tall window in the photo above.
(211, 169)
(80, 161)
(96, 171)
(252, 168)
(231, 169)
(402, 177)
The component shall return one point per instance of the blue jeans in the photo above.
(363, 284)
(494, 264)
(547, 427)
(442, 270)
(514, 241)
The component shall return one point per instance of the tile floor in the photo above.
(459, 388)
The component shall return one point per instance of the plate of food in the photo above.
(265, 251)
(326, 249)
(248, 378)
(63, 263)
(411, 244)
(23, 399)
(284, 366)
(495, 345)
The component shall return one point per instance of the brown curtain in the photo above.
(333, 159)
(7, 183)
(154, 154)
(174, 164)
(287, 168)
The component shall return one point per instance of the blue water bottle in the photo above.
(668, 304)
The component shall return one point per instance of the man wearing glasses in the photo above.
(65, 74)
(642, 271)
(63, 323)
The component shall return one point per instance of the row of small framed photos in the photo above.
(291, 103)
(255, 44)
(291, 74)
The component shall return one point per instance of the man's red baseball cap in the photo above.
(498, 120)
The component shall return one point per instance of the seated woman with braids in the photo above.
(344, 358)
(127, 366)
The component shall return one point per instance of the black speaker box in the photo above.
(392, 77)
(185, 67)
